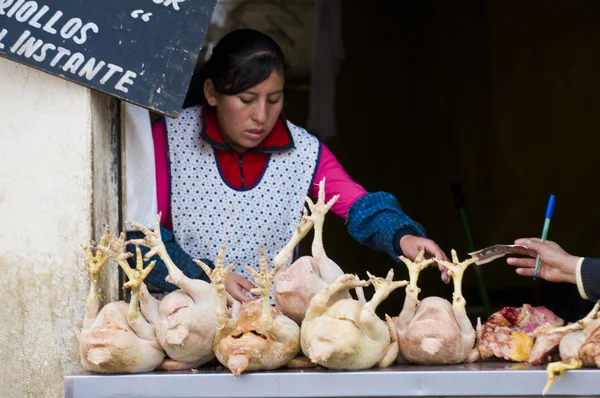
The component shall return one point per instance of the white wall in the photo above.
(47, 155)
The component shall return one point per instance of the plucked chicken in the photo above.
(254, 335)
(349, 334)
(433, 331)
(545, 348)
(578, 345)
(185, 319)
(117, 339)
(295, 285)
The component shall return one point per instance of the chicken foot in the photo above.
(140, 325)
(383, 288)
(559, 368)
(153, 241)
(263, 281)
(115, 249)
(217, 276)
(95, 262)
(370, 321)
(412, 290)
(456, 270)
(318, 304)
(136, 279)
(300, 232)
(318, 211)
(414, 269)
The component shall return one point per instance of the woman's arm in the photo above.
(337, 182)
(373, 219)
(378, 221)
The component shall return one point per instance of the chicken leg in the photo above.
(263, 281)
(412, 290)
(559, 368)
(393, 350)
(328, 270)
(414, 269)
(217, 276)
(475, 354)
(115, 249)
(318, 304)
(300, 232)
(149, 305)
(374, 328)
(153, 240)
(136, 279)
(95, 262)
(140, 325)
(456, 270)
(383, 288)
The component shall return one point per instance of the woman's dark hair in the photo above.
(242, 59)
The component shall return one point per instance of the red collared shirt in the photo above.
(244, 170)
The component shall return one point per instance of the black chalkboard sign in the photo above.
(142, 51)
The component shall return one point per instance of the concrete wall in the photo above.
(53, 135)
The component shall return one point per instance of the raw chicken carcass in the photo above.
(579, 348)
(349, 334)
(118, 339)
(295, 285)
(546, 344)
(185, 319)
(434, 331)
(510, 332)
(255, 336)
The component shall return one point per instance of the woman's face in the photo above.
(247, 118)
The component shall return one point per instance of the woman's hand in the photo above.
(411, 246)
(557, 265)
(235, 284)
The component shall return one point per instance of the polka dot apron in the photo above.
(207, 212)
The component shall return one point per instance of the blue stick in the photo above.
(549, 213)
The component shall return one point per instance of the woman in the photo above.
(558, 266)
(234, 171)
